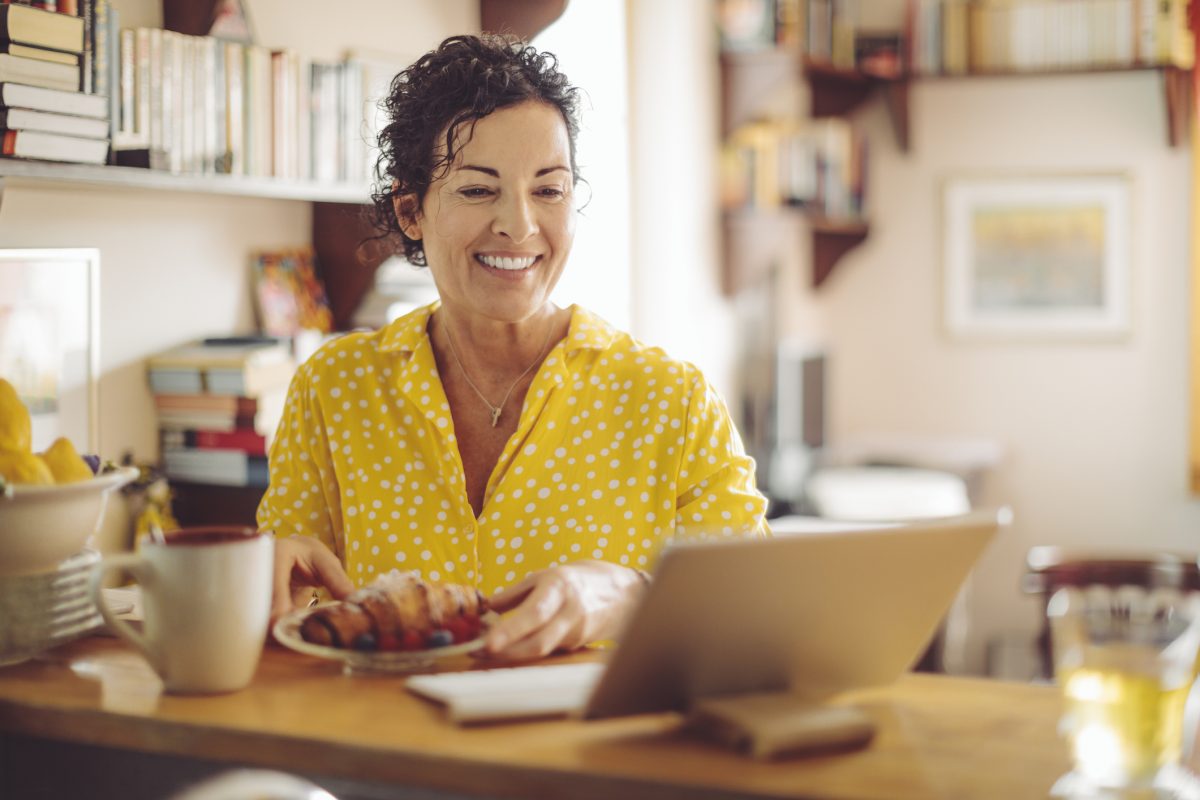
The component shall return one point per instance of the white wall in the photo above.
(589, 41)
(1095, 434)
(676, 244)
(175, 266)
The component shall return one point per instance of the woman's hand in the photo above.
(302, 564)
(562, 608)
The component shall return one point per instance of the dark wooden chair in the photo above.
(1048, 569)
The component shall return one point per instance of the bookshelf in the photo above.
(748, 81)
(749, 78)
(16, 172)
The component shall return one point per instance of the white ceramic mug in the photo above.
(206, 601)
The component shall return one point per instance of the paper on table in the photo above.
(509, 693)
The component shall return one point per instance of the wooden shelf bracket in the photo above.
(1177, 100)
(828, 249)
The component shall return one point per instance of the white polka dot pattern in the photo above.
(619, 448)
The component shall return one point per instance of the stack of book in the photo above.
(818, 165)
(48, 108)
(218, 403)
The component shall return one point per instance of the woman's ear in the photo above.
(408, 214)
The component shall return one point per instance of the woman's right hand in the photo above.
(302, 564)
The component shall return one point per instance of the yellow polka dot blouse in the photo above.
(618, 449)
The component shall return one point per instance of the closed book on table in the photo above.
(224, 467)
(54, 147)
(215, 403)
(246, 440)
(59, 101)
(39, 53)
(34, 72)
(211, 420)
(221, 413)
(24, 119)
(35, 26)
(240, 369)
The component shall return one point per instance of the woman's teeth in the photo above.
(511, 264)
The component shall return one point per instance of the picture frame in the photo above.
(1041, 257)
(746, 25)
(289, 296)
(49, 340)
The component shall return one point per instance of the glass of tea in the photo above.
(1125, 659)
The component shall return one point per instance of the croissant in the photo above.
(399, 611)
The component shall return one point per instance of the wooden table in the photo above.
(939, 737)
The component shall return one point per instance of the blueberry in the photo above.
(440, 639)
(365, 641)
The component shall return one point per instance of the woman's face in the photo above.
(498, 226)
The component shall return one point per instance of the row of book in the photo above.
(202, 105)
(816, 165)
(957, 37)
(54, 80)
(962, 36)
(218, 403)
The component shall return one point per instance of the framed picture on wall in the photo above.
(49, 348)
(1037, 257)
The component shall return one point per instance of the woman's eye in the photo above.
(551, 192)
(475, 191)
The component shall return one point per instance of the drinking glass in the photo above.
(1125, 658)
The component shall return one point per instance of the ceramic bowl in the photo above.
(41, 526)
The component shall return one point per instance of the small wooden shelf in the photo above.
(748, 77)
(832, 239)
(19, 171)
(1176, 85)
(754, 240)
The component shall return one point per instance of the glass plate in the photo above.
(287, 633)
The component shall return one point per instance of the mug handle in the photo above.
(141, 571)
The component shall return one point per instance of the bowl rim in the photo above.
(106, 481)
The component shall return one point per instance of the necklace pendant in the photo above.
(495, 416)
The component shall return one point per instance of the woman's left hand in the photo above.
(562, 608)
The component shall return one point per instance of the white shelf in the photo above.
(17, 172)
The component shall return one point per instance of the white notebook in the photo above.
(510, 692)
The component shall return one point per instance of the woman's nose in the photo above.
(515, 219)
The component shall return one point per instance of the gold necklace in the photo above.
(496, 410)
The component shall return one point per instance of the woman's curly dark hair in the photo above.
(463, 80)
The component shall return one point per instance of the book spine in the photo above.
(225, 467)
(235, 107)
(151, 83)
(173, 83)
(211, 119)
(279, 126)
(186, 115)
(128, 96)
(244, 440)
(97, 34)
(303, 117)
(87, 57)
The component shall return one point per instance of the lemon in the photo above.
(22, 466)
(65, 463)
(15, 426)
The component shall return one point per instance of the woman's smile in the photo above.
(508, 267)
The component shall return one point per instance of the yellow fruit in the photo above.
(65, 463)
(15, 426)
(21, 466)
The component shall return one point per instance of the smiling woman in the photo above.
(492, 438)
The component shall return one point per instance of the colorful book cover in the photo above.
(289, 295)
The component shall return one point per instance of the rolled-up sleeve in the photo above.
(303, 494)
(717, 493)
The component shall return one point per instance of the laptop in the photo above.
(813, 613)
